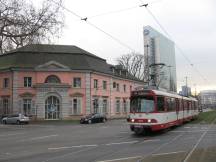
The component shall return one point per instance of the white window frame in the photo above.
(95, 83)
(27, 82)
(125, 88)
(5, 106)
(103, 106)
(118, 105)
(104, 85)
(6, 82)
(75, 85)
(124, 106)
(28, 102)
(79, 106)
(117, 87)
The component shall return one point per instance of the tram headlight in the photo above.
(149, 120)
(132, 120)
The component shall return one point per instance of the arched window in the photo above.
(52, 79)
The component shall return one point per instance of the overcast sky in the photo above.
(191, 23)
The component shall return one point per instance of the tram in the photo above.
(153, 110)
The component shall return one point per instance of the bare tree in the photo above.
(22, 23)
(134, 63)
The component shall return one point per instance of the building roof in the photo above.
(73, 57)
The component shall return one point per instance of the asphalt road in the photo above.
(109, 142)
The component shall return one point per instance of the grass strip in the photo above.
(206, 117)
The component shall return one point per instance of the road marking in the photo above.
(108, 144)
(65, 155)
(134, 157)
(153, 140)
(198, 142)
(161, 146)
(167, 153)
(124, 132)
(13, 134)
(68, 147)
(190, 153)
(192, 131)
(39, 138)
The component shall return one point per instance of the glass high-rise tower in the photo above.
(160, 64)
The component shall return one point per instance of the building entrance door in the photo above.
(52, 108)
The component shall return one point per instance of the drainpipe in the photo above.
(12, 88)
(110, 105)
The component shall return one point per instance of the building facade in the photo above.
(186, 91)
(160, 63)
(62, 82)
(207, 99)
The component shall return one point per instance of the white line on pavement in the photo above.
(108, 144)
(65, 155)
(38, 138)
(198, 142)
(190, 153)
(12, 134)
(68, 147)
(167, 153)
(134, 157)
(153, 140)
(124, 132)
(192, 131)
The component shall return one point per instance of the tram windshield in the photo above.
(142, 104)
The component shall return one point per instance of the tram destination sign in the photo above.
(140, 93)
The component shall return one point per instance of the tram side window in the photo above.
(173, 104)
(189, 105)
(185, 105)
(192, 106)
(180, 105)
(160, 103)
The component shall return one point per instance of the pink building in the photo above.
(62, 82)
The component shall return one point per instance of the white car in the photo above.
(15, 119)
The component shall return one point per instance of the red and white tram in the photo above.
(156, 110)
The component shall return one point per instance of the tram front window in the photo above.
(142, 104)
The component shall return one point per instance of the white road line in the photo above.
(128, 142)
(127, 158)
(195, 131)
(153, 140)
(124, 132)
(93, 145)
(13, 134)
(69, 147)
(38, 138)
(65, 155)
(190, 153)
(161, 146)
(167, 153)
(198, 142)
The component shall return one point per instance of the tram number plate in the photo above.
(137, 126)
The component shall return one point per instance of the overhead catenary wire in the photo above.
(114, 12)
(96, 27)
(122, 43)
(121, 10)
